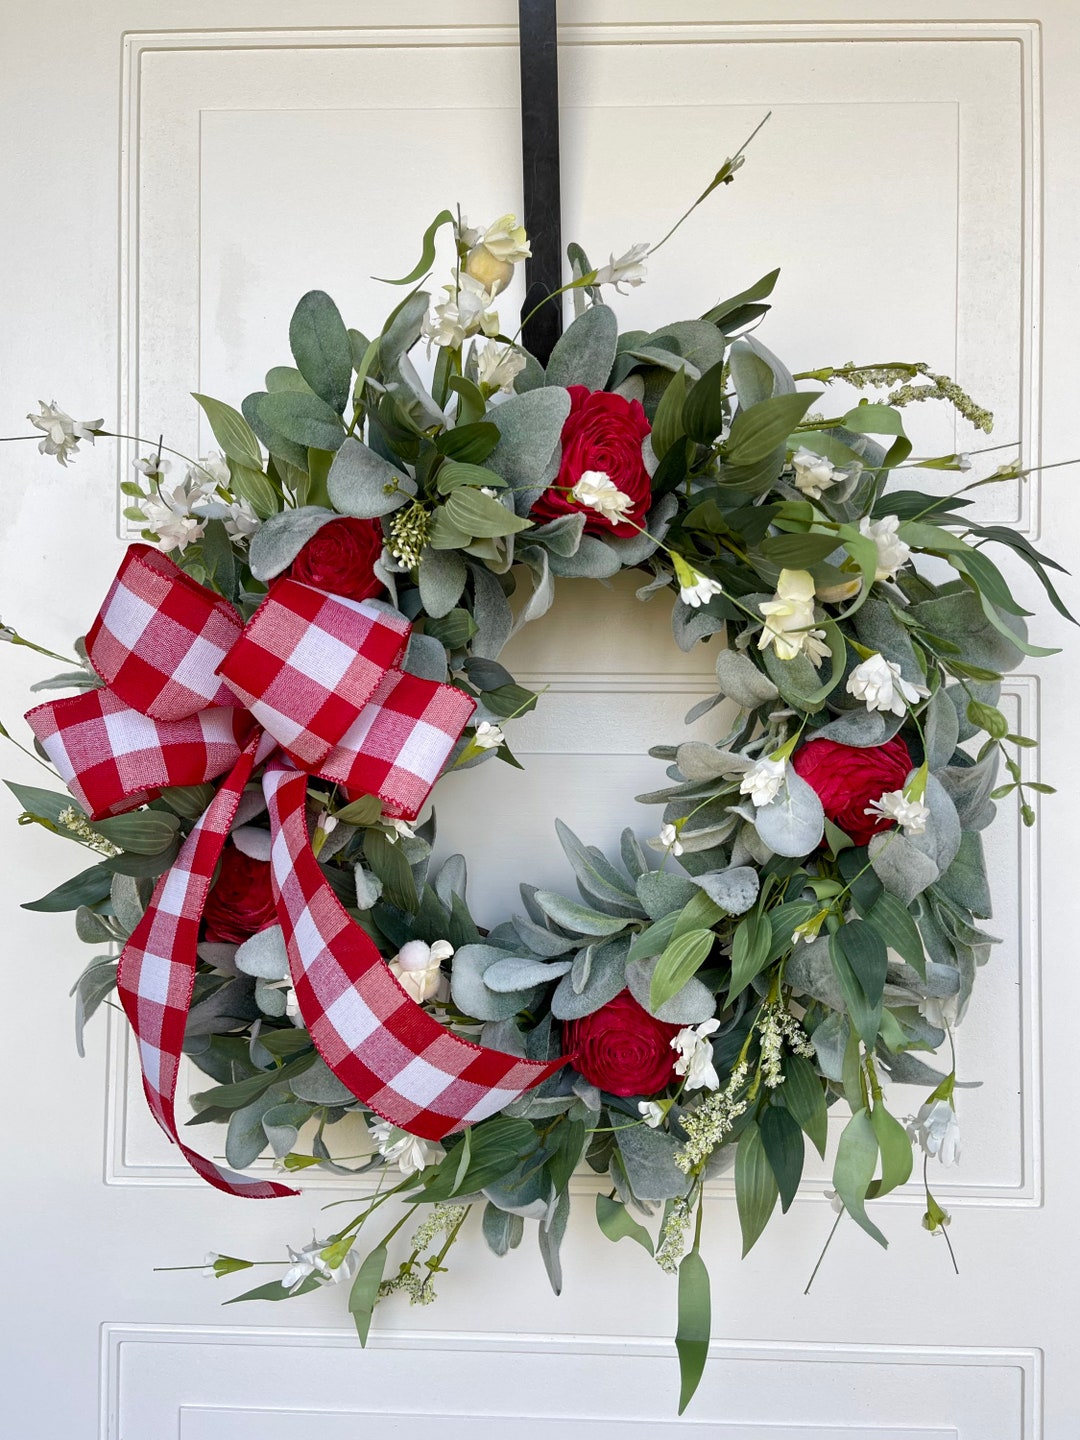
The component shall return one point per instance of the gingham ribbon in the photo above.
(311, 685)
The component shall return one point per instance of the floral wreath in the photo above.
(815, 920)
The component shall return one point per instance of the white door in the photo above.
(917, 184)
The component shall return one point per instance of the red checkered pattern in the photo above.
(384, 1047)
(157, 973)
(160, 637)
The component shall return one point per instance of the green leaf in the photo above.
(321, 348)
(617, 1223)
(892, 920)
(783, 1142)
(760, 290)
(756, 1190)
(585, 353)
(695, 1325)
(365, 1291)
(571, 1136)
(453, 630)
(141, 832)
(703, 410)
(800, 551)
(988, 718)
(43, 804)
(682, 959)
(868, 419)
(860, 960)
(453, 473)
(894, 1145)
(856, 1159)
(219, 558)
(304, 419)
(804, 1096)
(276, 1291)
(481, 516)
(231, 431)
(749, 951)
(668, 422)
(579, 918)
(88, 888)
(242, 1092)
(388, 861)
(469, 444)
(427, 254)
(252, 485)
(756, 432)
(496, 1147)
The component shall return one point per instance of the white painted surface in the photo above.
(916, 184)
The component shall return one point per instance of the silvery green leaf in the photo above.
(501, 1230)
(644, 593)
(595, 872)
(363, 484)
(218, 956)
(368, 887)
(425, 657)
(661, 893)
(749, 846)
(551, 1236)
(964, 881)
(830, 1042)
(689, 626)
(579, 918)
(702, 708)
(691, 1005)
(529, 449)
(649, 1158)
(633, 857)
(251, 840)
(902, 869)
(451, 880)
(270, 998)
(941, 730)
(699, 761)
(969, 787)
(734, 889)
(130, 898)
(503, 1035)
(561, 536)
(264, 955)
(589, 1095)
(520, 972)
(794, 822)
(783, 380)
(696, 839)
(414, 399)
(91, 928)
(633, 549)
(281, 1125)
(581, 969)
(878, 629)
(906, 1069)
(403, 330)
(540, 940)
(472, 996)
(751, 376)
(741, 680)
(245, 1139)
(941, 838)
(442, 579)
(860, 728)
(665, 359)
(543, 594)
(95, 983)
(594, 559)
(70, 680)
(606, 977)
(699, 341)
(810, 973)
(632, 388)
(585, 352)
(956, 614)
(320, 1086)
(491, 611)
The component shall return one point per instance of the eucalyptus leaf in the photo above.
(585, 352)
(529, 449)
(280, 538)
(649, 1158)
(321, 348)
(741, 680)
(794, 822)
(363, 484)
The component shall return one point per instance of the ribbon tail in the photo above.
(384, 1047)
(157, 975)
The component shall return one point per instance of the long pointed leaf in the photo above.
(695, 1325)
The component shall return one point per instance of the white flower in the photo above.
(410, 1152)
(629, 269)
(696, 1056)
(498, 366)
(695, 589)
(599, 492)
(62, 433)
(892, 551)
(814, 474)
(488, 736)
(241, 522)
(492, 257)
(763, 780)
(467, 310)
(652, 1113)
(401, 828)
(910, 815)
(835, 1201)
(152, 465)
(939, 1010)
(789, 619)
(418, 967)
(937, 1130)
(172, 515)
(668, 839)
(878, 684)
(309, 1261)
(963, 461)
(215, 467)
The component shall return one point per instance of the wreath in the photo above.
(309, 633)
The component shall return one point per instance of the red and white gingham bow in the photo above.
(310, 685)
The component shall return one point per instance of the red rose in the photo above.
(847, 779)
(622, 1048)
(240, 902)
(340, 558)
(602, 432)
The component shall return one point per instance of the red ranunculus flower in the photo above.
(240, 902)
(340, 558)
(622, 1048)
(602, 432)
(848, 778)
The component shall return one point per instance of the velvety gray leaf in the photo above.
(660, 893)
(561, 536)
(320, 1086)
(878, 629)
(941, 838)
(472, 996)
(520, 972)
(794, 822)
(633, 549)
(969, 787)
(649, 1158)
(503, 1035)
(965, 878)
(581, 919)
(607, 976)
(594, 559)
(246, 1139)
(363, 484)
(529, 450)
(741, 680)
(956, 614)
(442, 579)
(860, 728)
(502, 1232)
(941, 730)
(734, 889)
(550, 1239)
(452, 879)
(491, 612)
(699, 761)
(425, 657)
(281, 1125)
(368, 887)
(542, 941)
(585, 353)
(264, 955)
(689, 625)
(902, 869)
(691, 1005)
